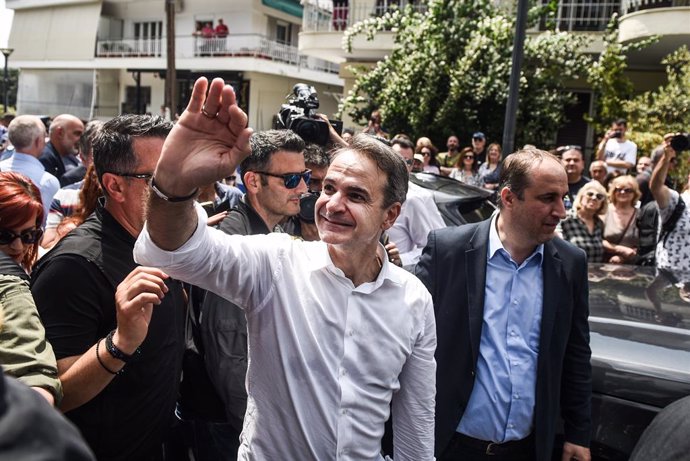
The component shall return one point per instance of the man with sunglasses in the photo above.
(119, 357)
(275, 177)
(336, 332)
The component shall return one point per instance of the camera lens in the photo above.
(307, 205)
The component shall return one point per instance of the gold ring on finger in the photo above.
(203, 111)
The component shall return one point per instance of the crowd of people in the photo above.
(171, 316)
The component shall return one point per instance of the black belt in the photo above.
(497, 448)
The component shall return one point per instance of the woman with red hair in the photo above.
(24, 351)
(21, 216)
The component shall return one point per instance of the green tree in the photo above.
(666, 109)
(450, 69)
(606, 76)
(13, 76)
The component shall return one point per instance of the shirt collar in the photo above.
(387, 272)
(495, 243)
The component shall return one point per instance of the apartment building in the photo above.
(325, 20)
(100, 58)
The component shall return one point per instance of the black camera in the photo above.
(307, 206)
(617, 134)
(299, 115)
(680, 142)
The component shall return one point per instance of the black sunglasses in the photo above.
(144, 176)
(568, 147)
(291, 180)
(471, 157)
(27, 237)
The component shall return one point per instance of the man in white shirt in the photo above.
(27, 134)
(336, 332)
(419, 214)
(619, 153)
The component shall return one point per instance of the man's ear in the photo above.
(251, 181)
(392, 214)
(113, 186)
(507, 197)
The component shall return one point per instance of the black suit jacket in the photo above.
(453, 268)
(51, 160)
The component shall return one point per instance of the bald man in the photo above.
(60, 152)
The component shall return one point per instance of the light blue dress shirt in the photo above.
(501, 405)
(32, 168)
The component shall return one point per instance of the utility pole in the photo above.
(7, 52)
(171, 73)
(514, 86)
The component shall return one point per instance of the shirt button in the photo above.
(517, 397)
(510, 426)
(515, 301)
(343, 372)
(351, 332)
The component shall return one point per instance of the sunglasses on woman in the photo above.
(27, 237)
(624, 190)
(290, 180)
(596, 195)
(469, 157)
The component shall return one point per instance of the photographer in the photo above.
(619, 153)
(673, 247)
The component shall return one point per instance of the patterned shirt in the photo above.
(574, 230)
(675, 253)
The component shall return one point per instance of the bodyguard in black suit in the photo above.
(475, 362)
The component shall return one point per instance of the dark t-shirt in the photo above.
(575, 187)
(74, 288)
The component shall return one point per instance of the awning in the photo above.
(291, 7)
(56, 33)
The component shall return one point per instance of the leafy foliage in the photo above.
(450, 69)
(607, 77)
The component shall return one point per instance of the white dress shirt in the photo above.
(325, 357)
(33, 169)
(419, 216)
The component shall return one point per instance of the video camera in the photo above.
(299, 115)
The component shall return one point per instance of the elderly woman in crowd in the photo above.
(621, 237)
(465, 170)
(24, 352)
(583, 225)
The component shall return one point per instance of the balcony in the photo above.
(667, 19)
(324, 16)
(234, 46)
(583, 16)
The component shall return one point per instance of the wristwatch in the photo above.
(115, 352)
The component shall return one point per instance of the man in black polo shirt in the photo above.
(119, 354)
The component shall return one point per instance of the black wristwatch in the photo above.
(115, 352)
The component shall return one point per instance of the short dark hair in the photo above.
(265, 143)
(113, 150)
(387, 161)
(402, 142)
(621, 121)
(316, 156)
(517, 170)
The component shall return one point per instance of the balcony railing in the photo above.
(324, 16)
(574, 15)
(251, 46)
(630, 6)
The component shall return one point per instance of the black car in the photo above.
(459, 203)
(640, 338)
